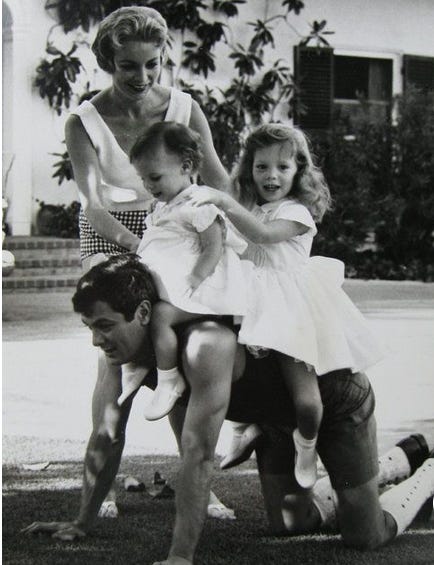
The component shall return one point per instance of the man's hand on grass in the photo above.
(64, 531)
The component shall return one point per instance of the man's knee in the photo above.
(309, 410)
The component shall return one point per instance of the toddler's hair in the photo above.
(175, 138)
(309, 185)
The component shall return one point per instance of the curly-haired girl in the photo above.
(296, 305)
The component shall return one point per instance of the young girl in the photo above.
(193, 253)
(296, 305)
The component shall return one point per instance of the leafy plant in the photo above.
(198, 59)
(54, 78)
(381, 178)
(81, 13)
(317, 33)
(293, 5)
(62, 168)
(58, 220)
(227, 7)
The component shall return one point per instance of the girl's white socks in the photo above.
(132, 377)
(305, 460)
(170, 387)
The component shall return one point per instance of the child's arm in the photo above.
(256, 231)
(211, 241)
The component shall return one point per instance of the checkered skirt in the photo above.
(92, 243)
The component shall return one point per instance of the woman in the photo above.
(131, 46)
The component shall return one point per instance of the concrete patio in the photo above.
(49, 368)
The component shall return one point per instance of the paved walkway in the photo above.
(49, 368)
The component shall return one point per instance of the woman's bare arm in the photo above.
(212, 171)
(87, 175)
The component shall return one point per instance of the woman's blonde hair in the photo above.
(309, 185)
(126, 24)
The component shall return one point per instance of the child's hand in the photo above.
(205, 195)
(193, 282)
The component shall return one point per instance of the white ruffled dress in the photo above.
(297, 305)
(170, 248)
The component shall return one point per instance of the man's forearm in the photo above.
(101, 464)
(208, 364)
(192, 494)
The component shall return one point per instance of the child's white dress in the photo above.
(296, 303)
(170, 248)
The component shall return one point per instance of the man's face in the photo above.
(121, 341)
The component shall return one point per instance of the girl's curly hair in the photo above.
(309, 185)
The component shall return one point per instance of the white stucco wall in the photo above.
(371, 27)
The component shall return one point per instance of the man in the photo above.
(115, 300)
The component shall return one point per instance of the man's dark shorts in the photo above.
(347, 441)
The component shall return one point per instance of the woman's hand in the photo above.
(64, 531)
(206, 195)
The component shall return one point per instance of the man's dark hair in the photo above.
(122, 281)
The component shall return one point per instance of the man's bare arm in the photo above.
(208, 366)
(103, 455)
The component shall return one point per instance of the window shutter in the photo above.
(313, 69)
(419, 71)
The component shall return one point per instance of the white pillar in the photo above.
(17, 39)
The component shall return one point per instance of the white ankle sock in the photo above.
(132, 377)
(394, 466)
(405, 500)
(168, 377)
(305, 467)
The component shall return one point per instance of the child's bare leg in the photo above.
(171, 385)
(303, 387)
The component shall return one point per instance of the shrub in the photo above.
(381, 178)
(58, 220)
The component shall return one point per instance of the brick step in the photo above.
(42, 264)
(43, 249)
(39, 283)
(65, 270)
(60, 255)
(47, 262)
(21, 242)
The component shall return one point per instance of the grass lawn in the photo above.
(142, 532)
